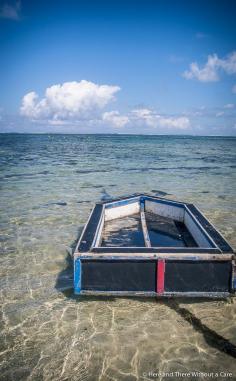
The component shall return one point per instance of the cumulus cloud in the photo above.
(10, 11)
(229, 105)
(152, 119)
(115, 119)
(82, 105)
(71, 100)
(210, 72)
(146, 116)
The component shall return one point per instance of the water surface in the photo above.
(48, 184)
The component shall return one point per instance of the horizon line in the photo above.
(112, 133)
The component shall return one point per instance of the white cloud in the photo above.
(229, 105)
(211, 70)
(152, 119)
(115, 119)
(11, 11)
(220, 113)
(82, 104)
(234, 89)
(69, 101)
(181, 123)
(146, 116)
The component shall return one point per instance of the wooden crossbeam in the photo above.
(144, 227)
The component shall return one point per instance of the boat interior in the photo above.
(150, 222)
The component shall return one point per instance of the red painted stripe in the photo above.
(160, 276)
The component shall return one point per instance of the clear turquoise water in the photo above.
(48, 184)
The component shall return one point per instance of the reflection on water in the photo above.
(163, 232)
(123, 232)
(48, 184)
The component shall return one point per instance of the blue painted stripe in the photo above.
(122, 202)
(77, 276)
(142, 199)
(164, 201)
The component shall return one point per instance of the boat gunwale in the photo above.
(209, 235)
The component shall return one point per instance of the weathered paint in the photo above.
(122, 210)
(144, 226)
(210, 229)
(212, 295)
(77, 276)
(89, 232)
(145, 256)
(98, 235)
(157, 250)
(122, 202)
(160, 276)
(165, 209)
(197, 231)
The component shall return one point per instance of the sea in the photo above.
(48, 185)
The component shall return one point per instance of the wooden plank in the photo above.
(122, 210)
(89, 232)
(197, 231)
(144, 256)
(155, 250)
(119, 293)
(165, 209)
(213, 295)
(98, 235)
(144, 226)
(210, 229)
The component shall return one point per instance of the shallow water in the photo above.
(48, 184)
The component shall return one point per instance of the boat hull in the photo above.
(206, 270)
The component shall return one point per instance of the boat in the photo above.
(143, 245)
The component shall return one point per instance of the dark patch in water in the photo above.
(26, 174)
(59, 203)
(86, 171)
(159, 192)
(83, 202)
(128, 234)
(72, 162)
(197, 169)
(105, 196)
(205, 192)
(91, 186)
(222, 197)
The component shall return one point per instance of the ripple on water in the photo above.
(48, 186)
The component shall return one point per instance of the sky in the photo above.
(127, 66)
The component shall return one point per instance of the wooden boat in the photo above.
(152, 246)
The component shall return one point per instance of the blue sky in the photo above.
(156, 67)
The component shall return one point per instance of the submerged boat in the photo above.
(152, 246)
